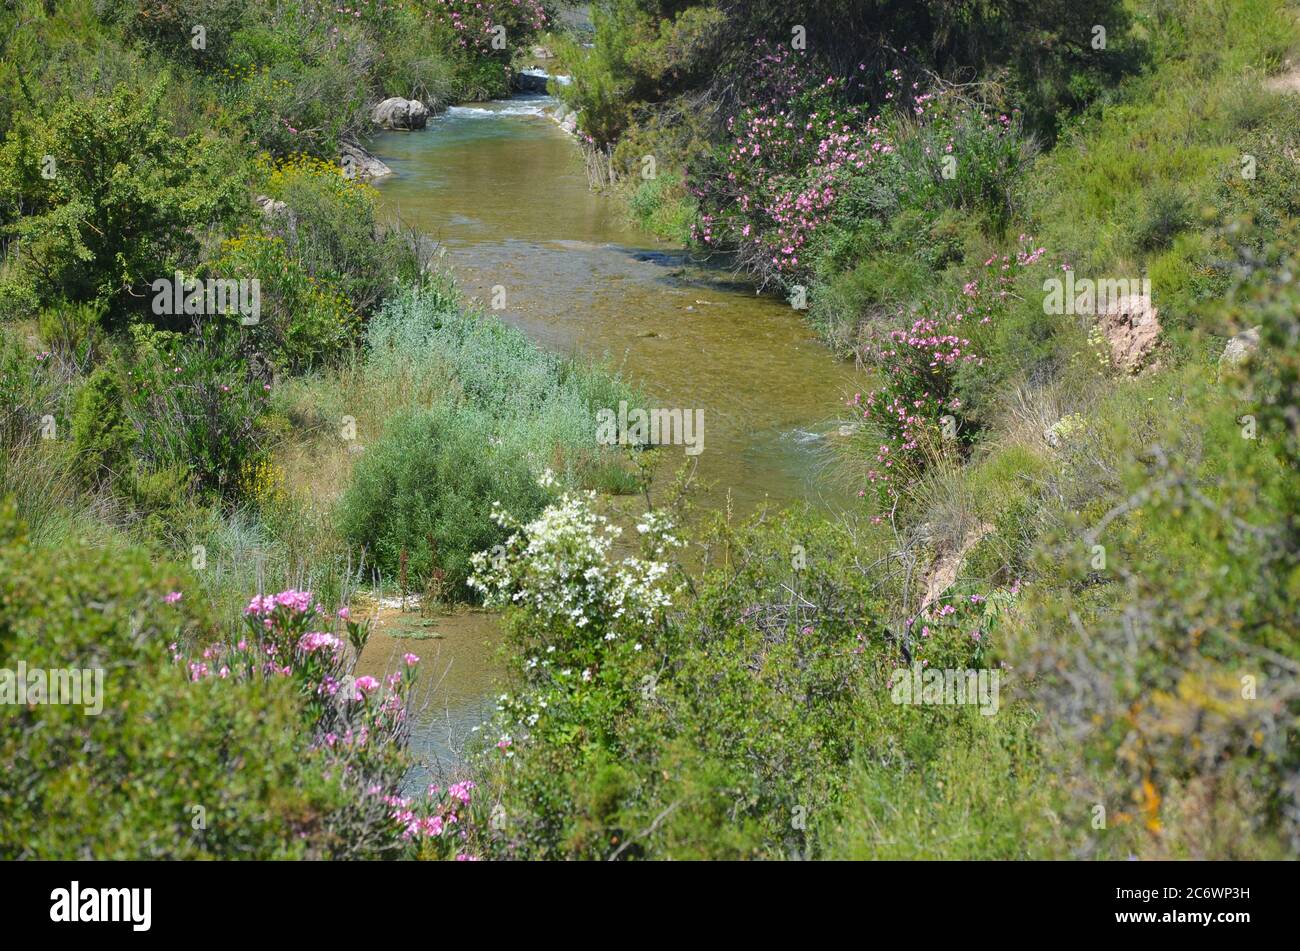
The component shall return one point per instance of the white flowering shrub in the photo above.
(559, 570)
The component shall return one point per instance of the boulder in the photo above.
(360, 164)
(399, 113)
(1132, 330)
(270, 207)
(531, 80)
(948, 560)
(565, 118)
(1240, 347)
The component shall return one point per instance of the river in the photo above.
(503, 189)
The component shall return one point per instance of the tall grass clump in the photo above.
(486, 411)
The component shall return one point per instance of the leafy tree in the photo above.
(104, 198)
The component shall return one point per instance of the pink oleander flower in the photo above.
(317, 640)
(366, 685)
(299, 602)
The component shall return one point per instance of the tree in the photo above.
(105, 198)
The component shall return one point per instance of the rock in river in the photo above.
(358, 163)
(399, 113)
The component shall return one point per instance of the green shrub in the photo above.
(1166, 577)
(947, 784)
(74, 332)
(543, 405)
(661, 205)
(330, 228)
(878, 287)
(305, 321)
(427, 488)
(37, 394)
(196, 403)
(416, 60)
(30, 389)
(711, 724)
(1168, 595)
(169, 26)
(126, 202)
(132, 781)
(1165, 214)
(288, 107)
(102, 435)
(1260, 184)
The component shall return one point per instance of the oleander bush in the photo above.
(153, 765)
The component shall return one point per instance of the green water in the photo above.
(503, 190)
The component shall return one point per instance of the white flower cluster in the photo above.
(559, 567)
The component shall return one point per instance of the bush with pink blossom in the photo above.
(488, 27)
(354, 726)
(958, 628)
(917, 413)
(810, 163)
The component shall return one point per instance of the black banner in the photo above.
(134, 901)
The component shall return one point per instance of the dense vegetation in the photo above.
(1117, 537)
(1106, 521)
(168, 469)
